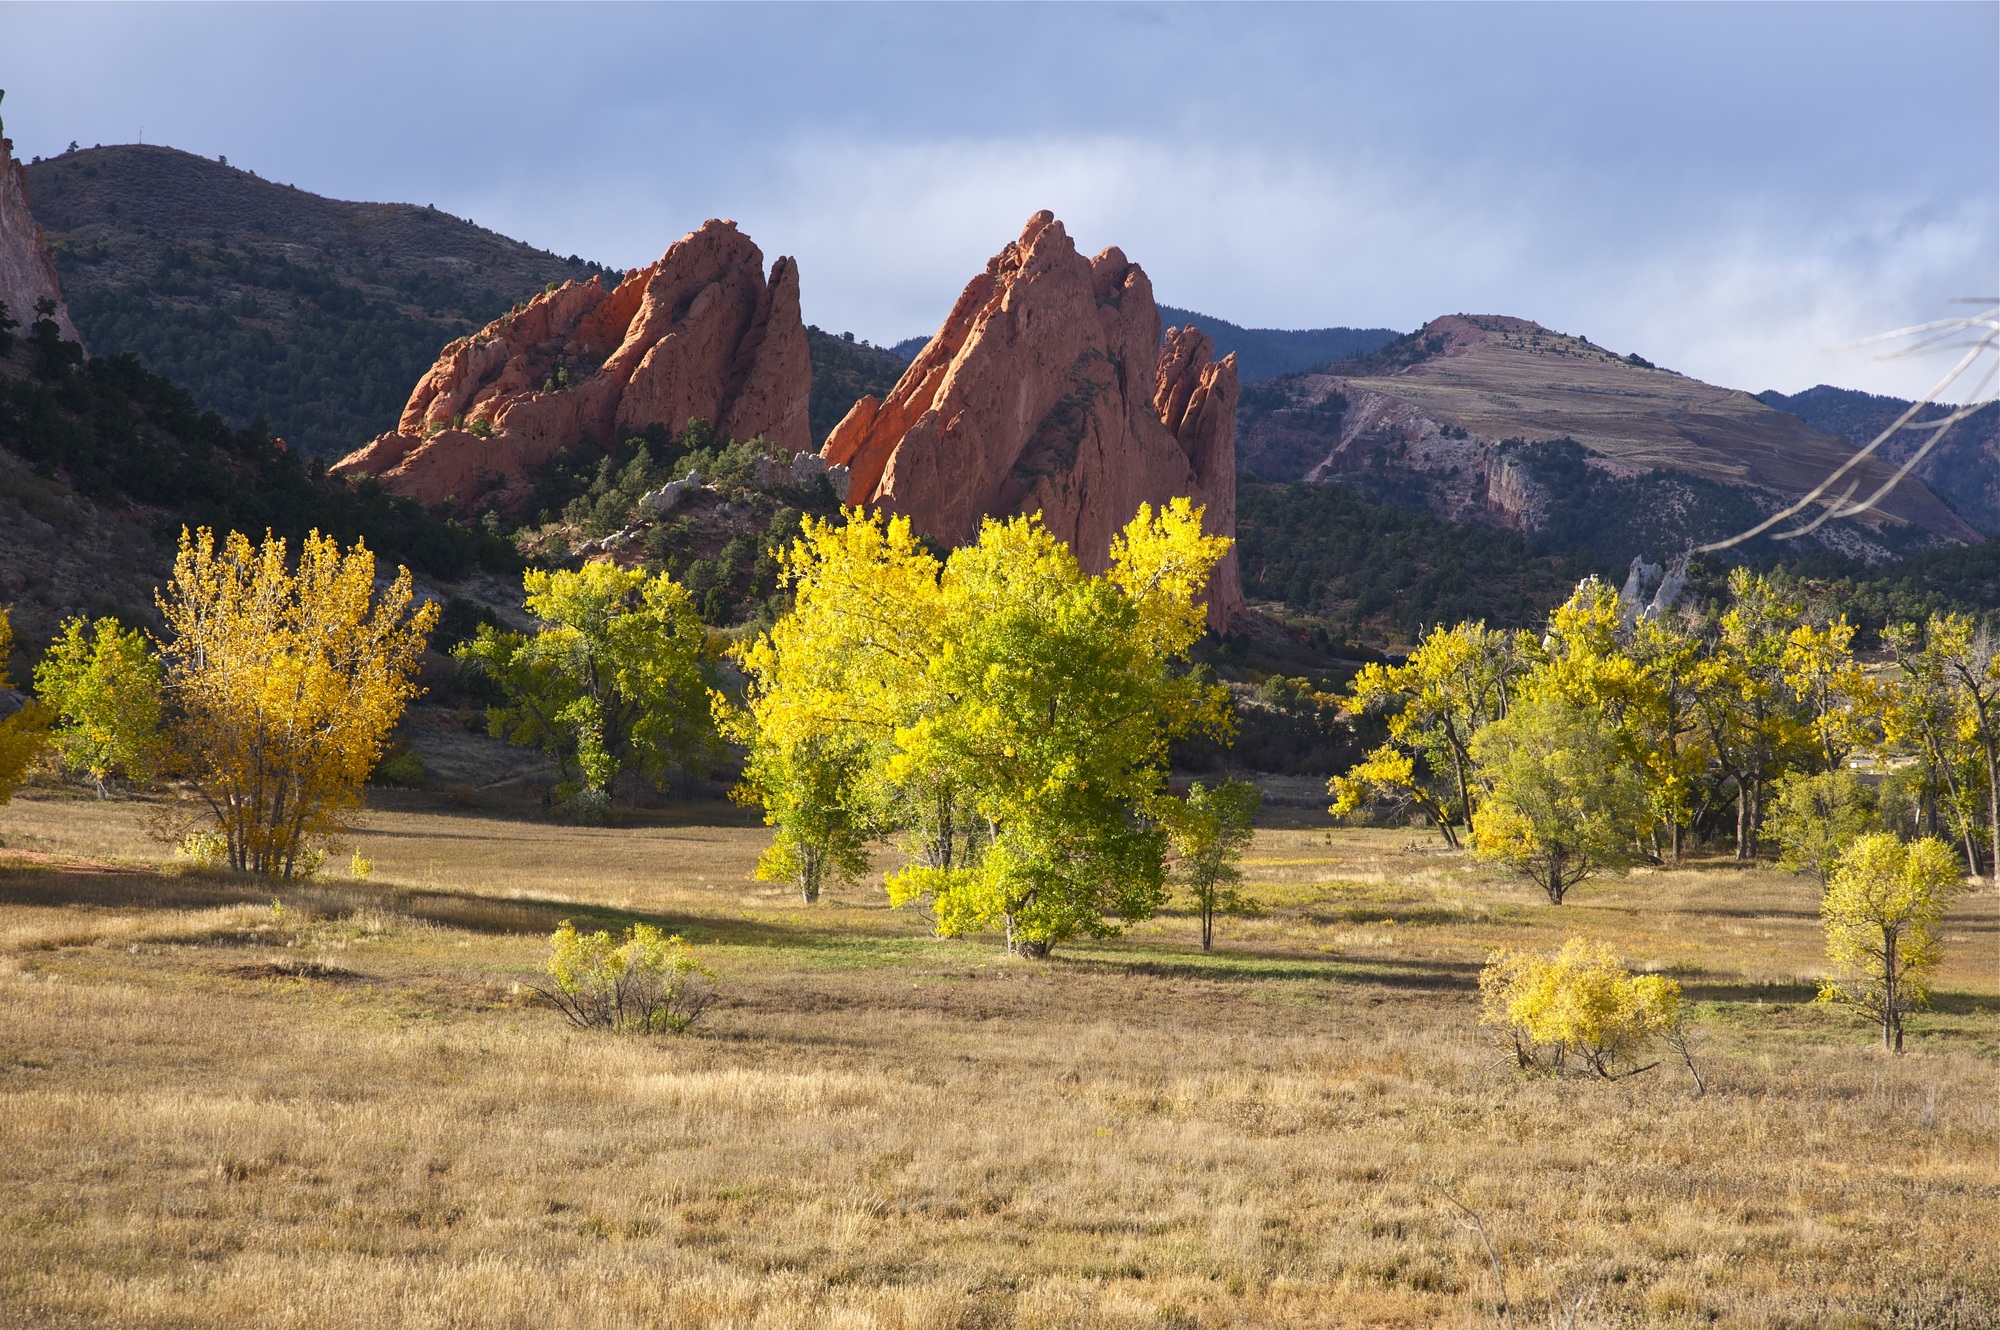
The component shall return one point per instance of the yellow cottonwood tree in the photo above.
(1830, 684)
(1881, 912)
(1457, 680)
(830, 686)
(282, 684)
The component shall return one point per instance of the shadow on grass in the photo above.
(1414, 916)
(821, 944)
(1250, 966)
(531, 813)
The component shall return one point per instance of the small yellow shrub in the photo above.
(647, 983)
(359, 868)
(1581, 1004)
(205, 849)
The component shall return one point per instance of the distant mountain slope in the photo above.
(1964, 468)
(1266, 353)
(263, 300)
(314, 314)
(102, 462)
(1500, 421)
(1261, 353)
(846, 370)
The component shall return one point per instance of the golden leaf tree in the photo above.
(1456, 681)
(1881, 911)
(282, 683)
(24, 731)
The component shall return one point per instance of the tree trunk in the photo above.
(1208, 923)
(1892, 1019)
(1032, 948)
(1464, 795)
(1993, 810)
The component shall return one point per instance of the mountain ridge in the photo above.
(1494, 419)
(1963, 469)
(259, 298)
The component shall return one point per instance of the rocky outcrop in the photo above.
(26, 273)
(701, 334)
(1049, 389)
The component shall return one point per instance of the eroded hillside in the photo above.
(1501, 421)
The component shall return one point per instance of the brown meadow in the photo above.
(344, 1108)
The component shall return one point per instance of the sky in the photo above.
(1733, 191)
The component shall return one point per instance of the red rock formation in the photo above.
(700, 334)
(1048, 390)
(26, 274)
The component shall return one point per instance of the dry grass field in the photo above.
(344, 1110)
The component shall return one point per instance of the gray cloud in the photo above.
(1727, 189)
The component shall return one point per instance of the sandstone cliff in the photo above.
(26, 274)
(1049, 389)
(699, 334)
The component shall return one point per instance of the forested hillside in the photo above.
(268, 302)
(1266, 353)
(1379, 573)
(103, 461)
(845, 371)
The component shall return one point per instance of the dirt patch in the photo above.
(295, 970)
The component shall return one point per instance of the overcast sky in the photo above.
(1729, 190)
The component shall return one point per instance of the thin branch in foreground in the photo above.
(1984, 329)
(1472, 1223)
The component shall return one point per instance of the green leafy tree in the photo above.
(1925, 716)
(1815, 816)
(813, 792)
(1561, 801)
(1007, 714)
(1881, 911)
(618, 679)
(1062, 692)
(1753, 724)
(1209, 831)
(102, 682)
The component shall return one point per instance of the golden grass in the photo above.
(346, 1112)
